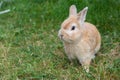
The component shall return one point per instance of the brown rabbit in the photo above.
(81, 39)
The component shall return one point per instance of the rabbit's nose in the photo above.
(61, 36)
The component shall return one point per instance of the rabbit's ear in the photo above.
(82, 15)
(72, 10)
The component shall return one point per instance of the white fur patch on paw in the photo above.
(86, 69)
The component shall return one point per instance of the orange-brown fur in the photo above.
(91, 32)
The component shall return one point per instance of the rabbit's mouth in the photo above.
(66, 40)
(61, 38)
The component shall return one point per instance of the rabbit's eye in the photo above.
(73, 28)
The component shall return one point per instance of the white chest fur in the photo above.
(80, 51)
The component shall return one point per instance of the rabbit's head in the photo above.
(71, 29)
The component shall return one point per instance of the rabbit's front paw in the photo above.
(86, 68)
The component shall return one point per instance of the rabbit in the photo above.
(81, 39)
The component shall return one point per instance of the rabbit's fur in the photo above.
(81, 39)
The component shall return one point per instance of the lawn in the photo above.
(31, 50)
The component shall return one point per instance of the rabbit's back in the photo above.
(91, 36)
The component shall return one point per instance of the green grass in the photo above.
(31, 50)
